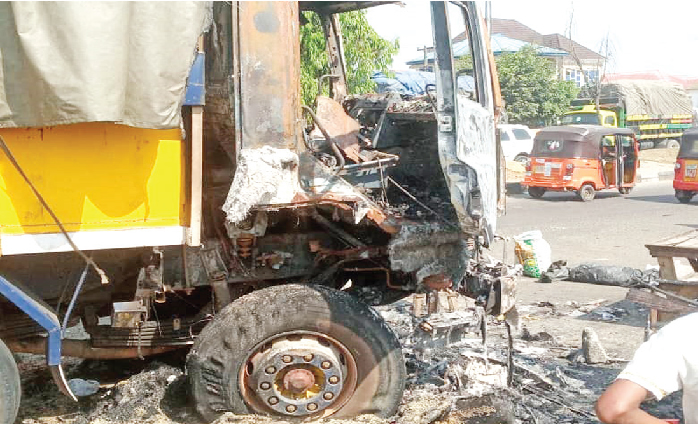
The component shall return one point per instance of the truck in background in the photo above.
(657, 111)
(175, 194)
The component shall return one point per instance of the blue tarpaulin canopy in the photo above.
(413, 82)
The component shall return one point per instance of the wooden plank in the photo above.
(658, 301)
(684, 245)
(195, 229)
(667, 269)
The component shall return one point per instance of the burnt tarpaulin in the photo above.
(73, 62)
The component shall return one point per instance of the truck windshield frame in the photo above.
(581, 118)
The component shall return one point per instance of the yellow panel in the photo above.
(94, 176)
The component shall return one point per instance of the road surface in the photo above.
(612, 229)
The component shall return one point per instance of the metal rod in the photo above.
(73, 299)
(329, 139)
(82, 349)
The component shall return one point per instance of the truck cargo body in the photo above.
(658, 112)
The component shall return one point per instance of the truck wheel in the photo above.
(672, 143)
(586, 192)
(300, 352)
(684, 196)
(535, 191)
(10, 391)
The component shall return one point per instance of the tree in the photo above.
(530, 88)
(365, 53)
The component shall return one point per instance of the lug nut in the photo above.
(287, 359)
(273, 400)
(326, 364)
(270, 370)
(334, 379)
(328, 396)
(264, 386)
(291, 408)
(308, 358)
(312, 407)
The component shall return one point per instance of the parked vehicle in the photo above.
(584, 159)
(162, 209)
(685, 179)
(658, 112)
(516, 142)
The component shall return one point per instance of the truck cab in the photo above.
(587, 114)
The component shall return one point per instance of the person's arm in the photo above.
(620, 404)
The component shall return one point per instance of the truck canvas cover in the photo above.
(650, 97)
(73, 62)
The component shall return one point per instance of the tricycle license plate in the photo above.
(691, 170)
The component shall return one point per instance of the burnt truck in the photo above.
(163, 188)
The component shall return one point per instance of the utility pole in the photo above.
(425, 57)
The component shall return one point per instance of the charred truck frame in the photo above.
(232, 219)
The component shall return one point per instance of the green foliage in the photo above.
(365, 53)
(529, 85)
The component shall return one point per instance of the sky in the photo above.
(642, 36)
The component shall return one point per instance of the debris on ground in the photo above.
(463, 383)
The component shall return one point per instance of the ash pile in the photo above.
(466, 382)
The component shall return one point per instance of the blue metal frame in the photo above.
(40, 313)
(195, 92)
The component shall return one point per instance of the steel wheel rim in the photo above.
(262, 375)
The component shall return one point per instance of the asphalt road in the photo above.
(612, 229)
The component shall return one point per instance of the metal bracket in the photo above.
(43, 315)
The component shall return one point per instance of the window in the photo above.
(610, 120)
(581, 118)
(521, 134)
(504, 136)
(627, 141)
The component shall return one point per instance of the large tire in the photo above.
(536, 191)
(245, 346)
(10, 391)
(586, 192)
(673, 144)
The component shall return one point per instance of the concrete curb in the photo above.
(655, 177)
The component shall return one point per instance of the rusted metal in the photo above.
(336, 56)
(386, 271)
(437, 282)
(269, 74)
(340, 127)
(83, 349)
(321, 126)
(298, 380)
(244, 243)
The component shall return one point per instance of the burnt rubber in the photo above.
(221, 350)
(10, 391)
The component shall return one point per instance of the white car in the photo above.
(516, 141)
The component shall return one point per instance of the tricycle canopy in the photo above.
(573, 141)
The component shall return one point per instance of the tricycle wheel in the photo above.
(297, 352)
(536, 191)
(10, 390)
(625, 190)
(586, 192)
(684, 196)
